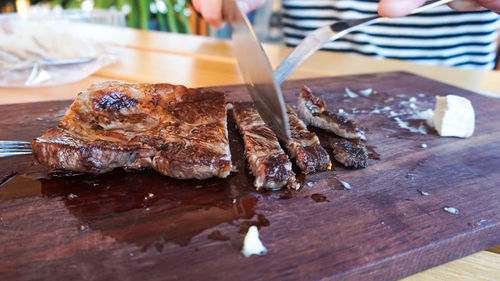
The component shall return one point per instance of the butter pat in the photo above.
(252, 244)
(453, 116)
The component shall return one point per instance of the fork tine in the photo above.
(13, 154)
(14, 142)
(5, 150)
(14, 148)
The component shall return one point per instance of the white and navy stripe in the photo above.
(440, 36)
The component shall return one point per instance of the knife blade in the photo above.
(256, 71)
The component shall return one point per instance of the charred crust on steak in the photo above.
(113, 101)
(305, 147)
(351, 153)
(313, 103)
(180, 132)
(311, 110)
(268, 162)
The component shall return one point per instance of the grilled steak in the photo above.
(304, 146)
(350, 153)
(179, 132)
(267, 160)
(312, 110)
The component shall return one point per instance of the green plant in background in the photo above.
(169, 14)
(165, 15)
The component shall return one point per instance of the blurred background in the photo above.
(161, 15)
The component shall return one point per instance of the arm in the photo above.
(398, 8)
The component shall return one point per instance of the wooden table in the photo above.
(201, 61)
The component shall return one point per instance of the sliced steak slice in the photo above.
(350, 153)
(180, 132)
(268, 162)
(304, 146)
(312, 110)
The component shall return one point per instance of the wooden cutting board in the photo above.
(143, 226)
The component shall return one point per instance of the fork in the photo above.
(35, 69)
(330, 32)
(14, 148)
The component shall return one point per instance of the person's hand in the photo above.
(399, 8)
(211, 10)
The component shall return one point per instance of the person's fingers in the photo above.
(211, 10)
(196, 5)
(475, 5)
(465, 5)
(493, 5)
(398, 8)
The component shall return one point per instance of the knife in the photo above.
(256, 70)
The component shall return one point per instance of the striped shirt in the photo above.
(440, 36)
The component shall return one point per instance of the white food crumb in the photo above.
(392, 114)
(410, 176)
(72, 196)
(309, 184)
(412, 99)
(234, 201)
(427, 115)
(423, 193)
(341, 111)
(421, 95)
(366, 92)
(423, 145)
(350, 93)
(403, 124)
(131, 254)
(375, 111)
(346, 185)
(252, 244)
(452, 210)
(454, 116)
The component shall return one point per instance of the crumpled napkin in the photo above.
(45, 53)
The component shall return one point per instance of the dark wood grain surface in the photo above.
(143, 226)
